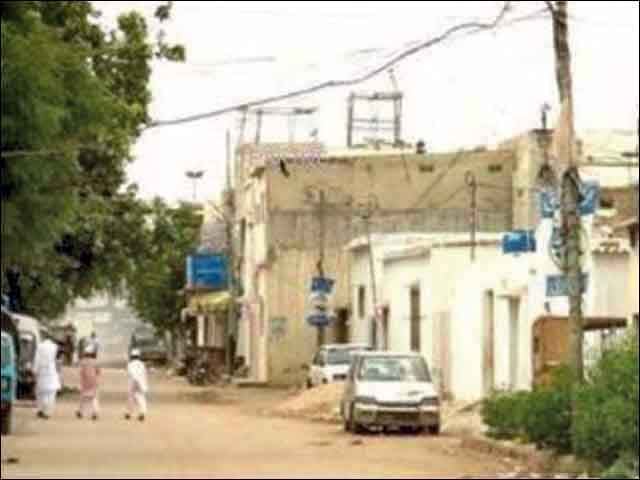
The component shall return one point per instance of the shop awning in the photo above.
(210, 302)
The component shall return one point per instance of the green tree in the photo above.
(171, 234)
(75, 98)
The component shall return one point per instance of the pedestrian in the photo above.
(69, 345)
(47, 378)
(138, 386)
(89, 382)
(95, 343)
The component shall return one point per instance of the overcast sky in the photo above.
(475, 90)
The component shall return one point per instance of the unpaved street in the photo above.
(218, 434)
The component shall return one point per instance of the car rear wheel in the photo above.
(6, 426)
(434, 430)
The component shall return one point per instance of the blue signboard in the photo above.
(589, 202)
(210, 272)
(322, 285)
(321, 291)
(519, 241)
(558, 285)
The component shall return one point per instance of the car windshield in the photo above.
(6, 352)
(394, 369)
(341, 356)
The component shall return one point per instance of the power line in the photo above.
(474, 27)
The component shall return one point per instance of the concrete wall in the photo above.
(609, 300)
(291, 341)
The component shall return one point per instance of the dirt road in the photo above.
(218, 434)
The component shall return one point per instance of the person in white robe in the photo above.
(138, 387)
(48, 382)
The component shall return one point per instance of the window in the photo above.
(362, 297)
(394, 369)
(607, 203)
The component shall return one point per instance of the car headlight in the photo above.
(431, 402)
(366, 401)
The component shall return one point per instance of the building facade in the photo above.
(288, 214)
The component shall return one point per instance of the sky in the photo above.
(473, 90)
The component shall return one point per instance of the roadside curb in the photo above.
(534, 459)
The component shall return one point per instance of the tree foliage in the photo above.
(74, 98)
(170, 235)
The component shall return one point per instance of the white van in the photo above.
(30, 332)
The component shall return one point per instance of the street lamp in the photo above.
(194, 176)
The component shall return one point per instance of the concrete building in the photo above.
(286, 208)
(110, 318)
(291, 199)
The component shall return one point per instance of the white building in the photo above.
(416, 277)
(474, 321)
(496, 310)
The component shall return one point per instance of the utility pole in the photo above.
(322, 212)
(365, 212)
(472, 183)
(570, 184)
(229, 199)
(318, 198)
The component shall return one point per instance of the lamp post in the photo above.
(194, 176)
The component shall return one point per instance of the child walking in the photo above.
(138, 387)
(89, 379)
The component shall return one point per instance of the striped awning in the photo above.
(210, 302)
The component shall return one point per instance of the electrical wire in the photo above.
(475, 27)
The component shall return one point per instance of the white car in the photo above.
(390, 391)
(331, 364)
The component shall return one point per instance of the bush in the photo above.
(542, 417)
(604, 425)
(625, 467)
(547, 422)
(606, 421)
(504, 414)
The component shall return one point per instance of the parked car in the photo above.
(331, 364)
(390, 391)
(30, 335)
(152, 346)
(9, 376)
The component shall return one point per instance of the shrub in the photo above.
(606, 420)
(625, 467)
(503, 413)
(542, 417)
(547, 422)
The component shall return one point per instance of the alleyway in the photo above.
(218, 434)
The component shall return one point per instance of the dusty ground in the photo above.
(219, 434)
